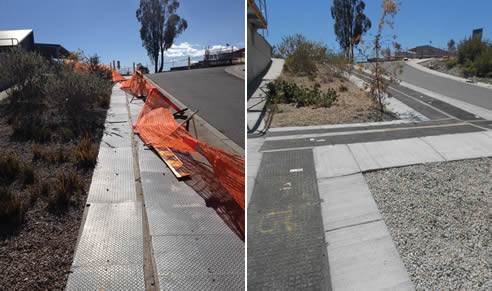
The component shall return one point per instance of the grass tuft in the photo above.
(85, 154)
(69, 188)
(9, 168)
(12, 210)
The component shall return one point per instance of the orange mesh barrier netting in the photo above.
(117, 77)
(157, 127)
(137, 85)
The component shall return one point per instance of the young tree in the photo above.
(350, 23)
(380, 74)
(160, 26)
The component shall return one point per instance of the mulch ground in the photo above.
(37, 254)
(353, 105)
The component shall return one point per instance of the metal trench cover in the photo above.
(110, 251)
(116, 135)
(112, 185)
(200, 262)
(286, 243)
(365, 137)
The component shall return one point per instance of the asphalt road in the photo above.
(218, 95)
(469, 93)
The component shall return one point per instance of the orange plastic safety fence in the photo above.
(116, 77)
(156, 125)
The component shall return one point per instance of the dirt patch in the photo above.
(353, 105)
(440, 66)
(38, 253)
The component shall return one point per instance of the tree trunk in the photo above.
(156, 62)
(162, 60)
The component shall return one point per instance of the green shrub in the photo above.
(451, 63)
(280, 91)
(68, 188)
(9, 168)
(12, 210)
(475, 56)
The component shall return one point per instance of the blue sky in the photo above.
(417, 23)
(110, 27)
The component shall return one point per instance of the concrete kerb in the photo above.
(227, 144)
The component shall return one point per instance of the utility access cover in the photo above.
(286, 244)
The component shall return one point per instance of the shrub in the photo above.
(475, 56)
(280, 91)
(300, 54)
(9, 168)
(29, 128)
(12, 210)
(85, 154)
(68, 188)
(61, 157)
(451, 63)
(27, 71)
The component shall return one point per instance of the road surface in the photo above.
(469, 93)
(218, 95)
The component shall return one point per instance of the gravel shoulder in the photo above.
(439, 216)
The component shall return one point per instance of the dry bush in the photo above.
(29, 128)
(69, 188)
(27, 71)
(12, 210)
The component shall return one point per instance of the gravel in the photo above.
(439, 215)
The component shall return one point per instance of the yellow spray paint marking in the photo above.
(277, 219)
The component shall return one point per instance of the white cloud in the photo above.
(185, 49)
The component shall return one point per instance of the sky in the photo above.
(110, 29)
(417, 23)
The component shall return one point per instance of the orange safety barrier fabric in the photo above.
(137, 85)
(116, 77)
(157, 127)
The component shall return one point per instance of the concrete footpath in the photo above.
(310, 211)
(257, 97)
(144, 229)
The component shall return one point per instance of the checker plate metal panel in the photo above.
(116, 135)
(198, 255)
(112, 186)
(165, 192)
(112, 235)
(203, 282)
(115, 158)
(124, 277)
(185, 221)
(286, 244)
